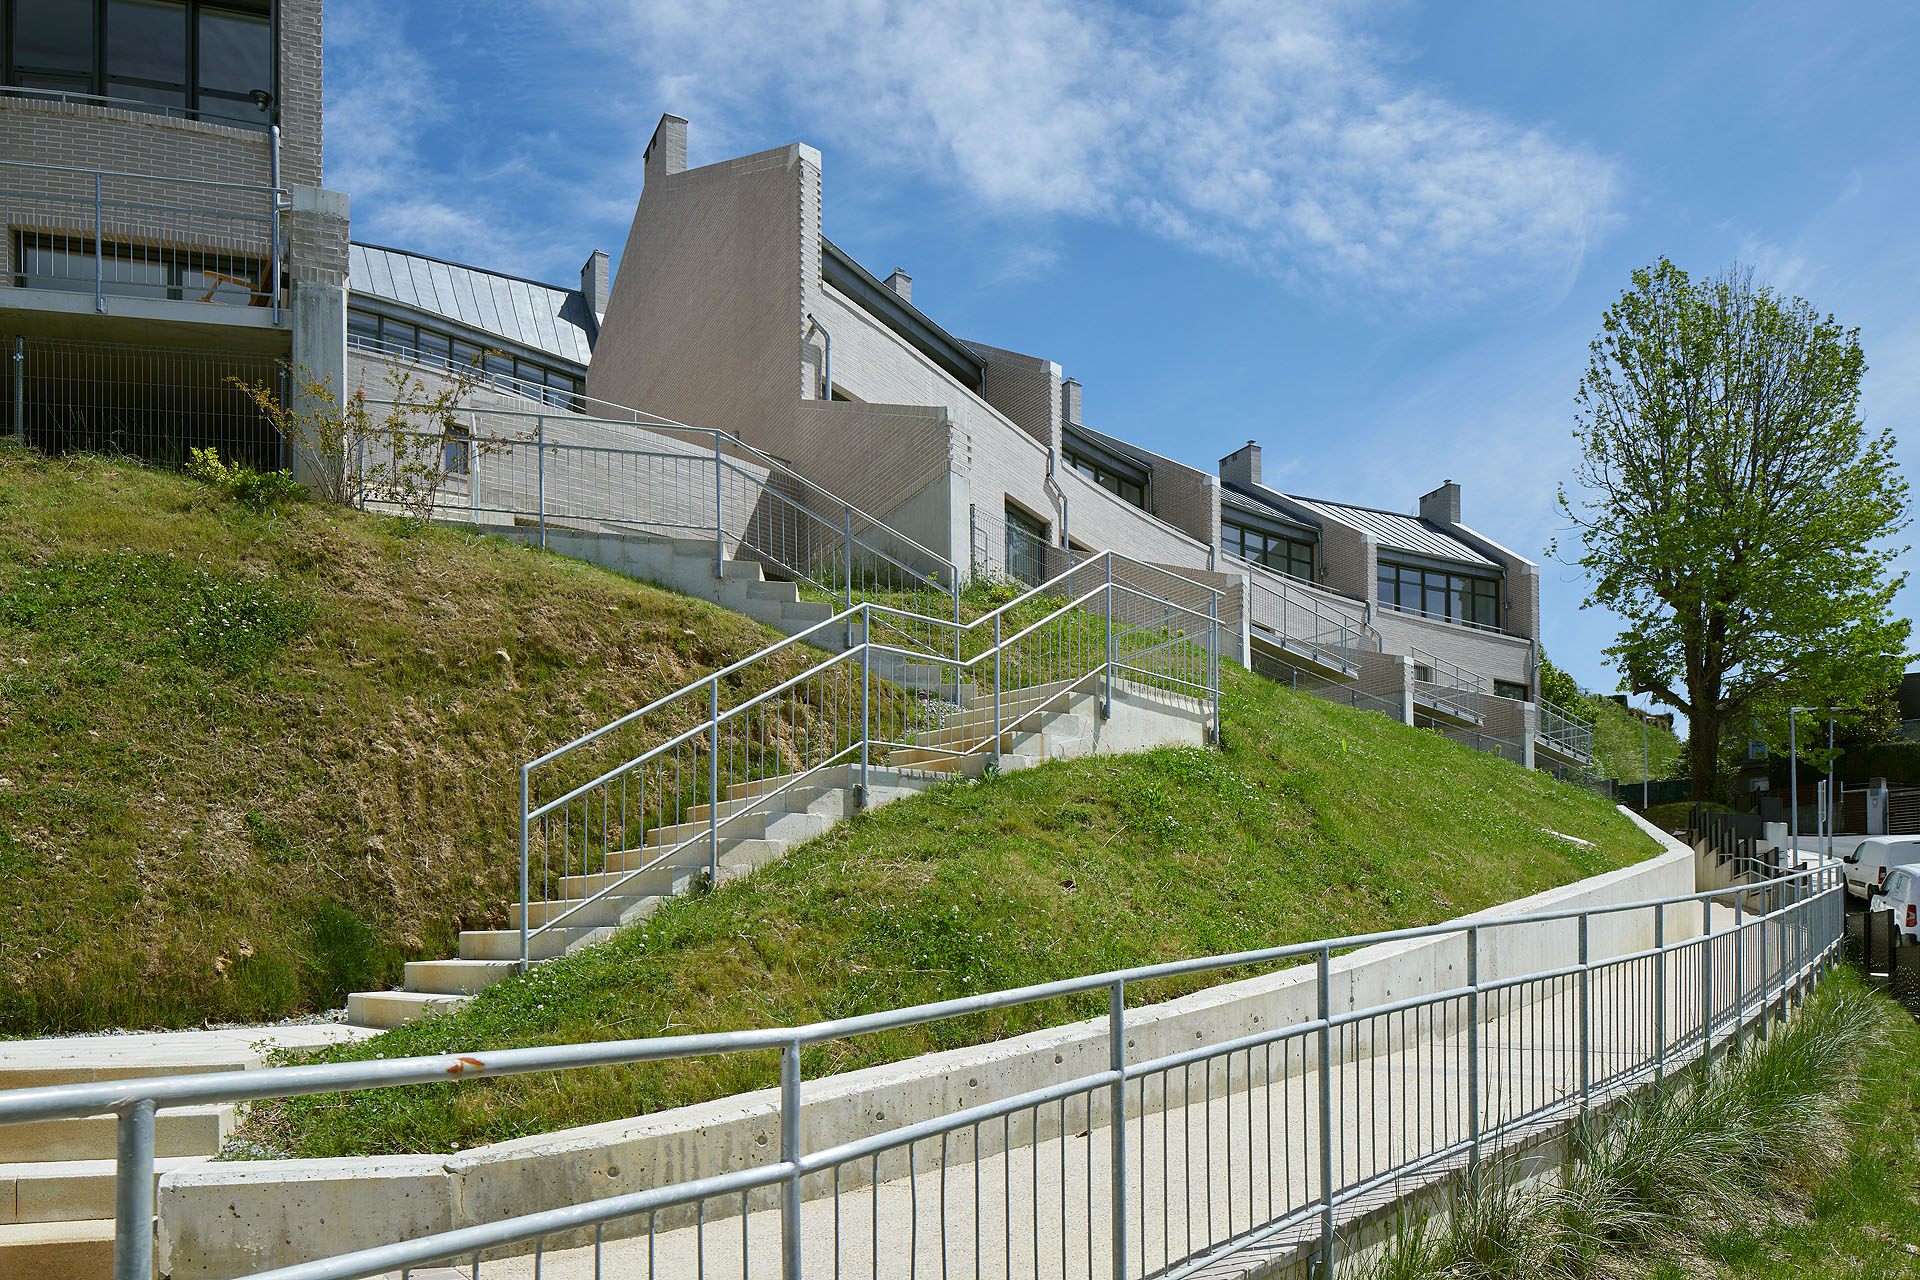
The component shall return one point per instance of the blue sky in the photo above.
(1376, 237)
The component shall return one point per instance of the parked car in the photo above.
(1902, 897)
(1867, 866)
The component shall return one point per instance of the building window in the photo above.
(1434, 593)
(1291, 556)
(456, 452)
(534, 379)
(1508, 689)
(65, 263)
(201, 57)
(1130, 488)
(1026, 546)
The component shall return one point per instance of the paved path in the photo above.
(1214, 1152)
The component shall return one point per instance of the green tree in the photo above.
(1733, 508)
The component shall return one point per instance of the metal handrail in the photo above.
(1432, 616)
(1565, 731)
(1347, 632)
(1449, 684)
(1805, 929)
(708, 728)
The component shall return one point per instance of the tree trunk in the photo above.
(1703, 757)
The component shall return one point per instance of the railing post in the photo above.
(99, 300)
(866, 686)
(790, 1152)
(1473, 1058)
(19, 389)
(1739, 969)
(1766, 987)
(1586, 1019)
(133, 1193)
(1213, 659)
(1706, 981)
(540, 454)
(1660, 993)
(996, 689)
(1117, 1121)
(525, 905)
(1106, 703)
(713, 783)
(1322, 964)
(719, 524)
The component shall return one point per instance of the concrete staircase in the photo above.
(57, 1176)
(1047, 722)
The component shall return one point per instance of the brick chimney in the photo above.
(901, 283)
(666, 153)
(1442, 506)
(596, 281)
(1242, 466)
(1070, 401)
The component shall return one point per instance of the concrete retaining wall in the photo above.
(226, 1219)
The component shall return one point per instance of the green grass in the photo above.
(1616, 744)
(1794, 1159)
(1312, 821)
(252, 760)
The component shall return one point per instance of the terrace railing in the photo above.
(118, 234)
(1564, 732)
(1259, 1145)
(1317, 628)
(1447, 686)
(657, 789)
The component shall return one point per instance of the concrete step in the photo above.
(764, 825)
(504, 944)
(39, 1077)
(741, 571)
(57, 1250)
(177, 1131)
(800, 797)
(68, 1190)
(457, 977)
(661, 882)
(385, 1009)
(579, 915)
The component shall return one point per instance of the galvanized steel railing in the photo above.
(629, 811)
(140, 235)
(1447, 686)
(1318, 629)
(1565, 732)
(1259, 1143)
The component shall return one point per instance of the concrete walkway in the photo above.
(26, 1064)
(1217, 1150)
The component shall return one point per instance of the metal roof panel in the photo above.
(1398, 532)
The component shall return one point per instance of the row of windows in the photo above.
(43, 260)
(1455, 597)
(1284, 555)
(1129, 489)
(208, 56)
(559, 387)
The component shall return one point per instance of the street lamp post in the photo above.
(1643, 760)
(1793, 777)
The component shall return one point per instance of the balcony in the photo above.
(118, 235)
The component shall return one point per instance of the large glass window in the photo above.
(1027, 543)
(534, 379)
(1291, 556)
(52, 45)
(1438, 594)
(202, 56)
(1130, 488)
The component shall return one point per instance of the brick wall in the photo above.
(1025, 390)
(1485, 653)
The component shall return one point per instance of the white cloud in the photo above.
(1273, 134)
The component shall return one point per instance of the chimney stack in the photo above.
(1242, 466)
(901, 283)
(596, 281)
(1070, 401)
(1442, 506)
(666, 153)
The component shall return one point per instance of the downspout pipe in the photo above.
(1061, 494)
(826, 356)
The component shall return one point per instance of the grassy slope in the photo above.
(1616, 744)
(1314, 820)
(250, 762)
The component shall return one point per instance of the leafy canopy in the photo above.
(1733, 507)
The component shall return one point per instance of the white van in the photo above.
(1903, 899)
(1868, 864)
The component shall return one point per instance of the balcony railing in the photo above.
(132, 104)
(1565, 732)
(141, 235)
(1447, 686)
(1431, 616)
(1303, 621)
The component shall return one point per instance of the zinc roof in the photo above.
(542, 317)
(1410, 534)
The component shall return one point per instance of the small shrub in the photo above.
(252, 489)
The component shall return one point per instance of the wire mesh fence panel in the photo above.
(156, 404)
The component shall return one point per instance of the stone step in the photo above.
(177, 1131)
(68, 1190)
(457, 977)
(385, 1009)
(504, 944)
(57, 1250)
